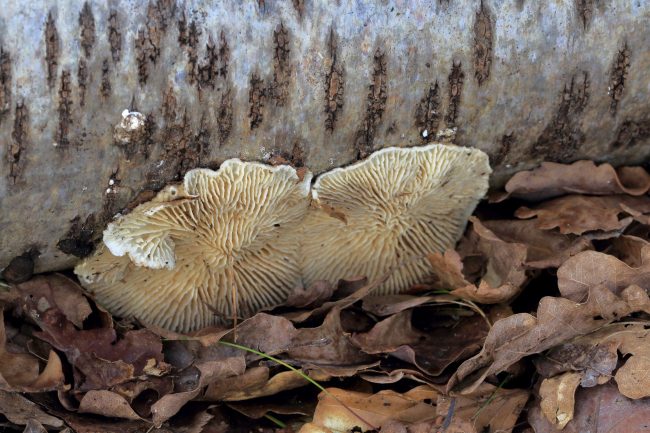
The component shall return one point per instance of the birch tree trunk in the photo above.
(319, 83)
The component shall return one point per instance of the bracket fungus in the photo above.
(390, 211)
(223, 242)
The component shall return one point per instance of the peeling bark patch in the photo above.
(585, 9)
(499, 157)
(375, 106)
(631, 133)
(224, 116)
(427, 114)
(82, 80)
(256, 97)
(483, 40)
(617, 77)
(456, 78)
(114, 36)
(334, 85)
(562, 137)
(299, 6)
(149, 40)
(5, 83)
(105, 87)
(51, 50)
(79, 240)
(87, 25)
(65, 110)
(279, 90)
(18, 143)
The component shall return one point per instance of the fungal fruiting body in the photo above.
(223, 242)
(388, 212)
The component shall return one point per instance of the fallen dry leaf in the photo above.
(600, 409)
(557, 396)
(590, 268)
(107, 403)
(431, 351)
(487, 409)
(577, 214)
(341, 411)
(558, 320)
(314, 295)
(19, 410)
(545, 249)
(21, 371)
(582, 177)
(59, 292)
(503, 272)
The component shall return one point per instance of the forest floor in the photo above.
(538, 321)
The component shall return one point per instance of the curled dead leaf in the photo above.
(558, 398)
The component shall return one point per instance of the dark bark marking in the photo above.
(499, 157)
(5, 83)
(82, 80)
(224, 116)
(182, 30)
(630, 133)
(375, 106)
(52, 49)
(456, 79)
(299, 6)
(256, 99)
(209, 66)
(87, 25)
(114, 36)
(427, 114)
(149, 40)
(562, 137)
(65, 110)
(224, 56)
(617, 77)
(105, 87)
(279, 89)
(483, 41)
(585, 10)
(80, 238)
(191, 43)
(334, 85)
(18, 143)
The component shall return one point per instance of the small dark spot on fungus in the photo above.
(51, 49)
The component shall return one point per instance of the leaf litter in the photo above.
(537, 321)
